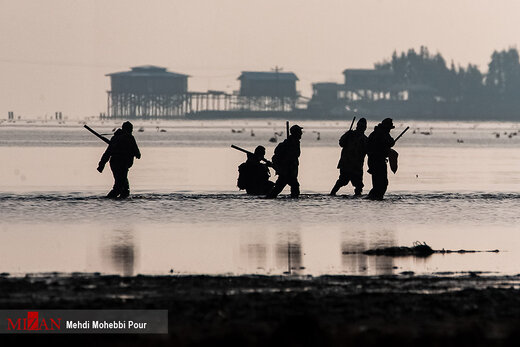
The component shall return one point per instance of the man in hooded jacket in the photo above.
(354, 150)
(378, 149)
(120, 152)
(285, 162)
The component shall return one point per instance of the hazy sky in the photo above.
(54, 53)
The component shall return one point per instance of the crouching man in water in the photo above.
(121, 152)
(285, 162)
(354, 144)
(378, 149)
(253, 176)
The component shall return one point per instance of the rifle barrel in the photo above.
(246, 151)
(401, 134)
(241, 149)
(352, 124)
(95, 133)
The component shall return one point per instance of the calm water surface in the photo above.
(186, 214)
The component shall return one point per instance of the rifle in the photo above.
(287, 128)
(401, 134)
(392, 158)
(97, 134)
(351, 124)
(250, 153)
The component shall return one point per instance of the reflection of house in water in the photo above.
(289, 253)
(254, 255)
(354, 262)
(284, 255)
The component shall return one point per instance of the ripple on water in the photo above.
(231, 207)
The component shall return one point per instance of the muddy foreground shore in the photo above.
(406, 310)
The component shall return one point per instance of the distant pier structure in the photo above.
(267, 91)
(147, 91)
(154, 92)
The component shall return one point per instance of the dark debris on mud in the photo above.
(417, 250)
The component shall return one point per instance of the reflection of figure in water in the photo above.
(253, 176)
(354, 143)
(285, 162)
(121, 152)
(378, 149)
(120, 253)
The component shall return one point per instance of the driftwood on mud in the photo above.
(417, 250)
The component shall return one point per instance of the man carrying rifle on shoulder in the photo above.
(350, 165)
(285, 162)
(379, 148)
(120, 152)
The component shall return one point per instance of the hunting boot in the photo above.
(335, 189)
(295, 192)
(125, 194)
(112, 194)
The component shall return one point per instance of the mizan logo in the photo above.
(33, 322)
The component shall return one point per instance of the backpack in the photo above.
(280, 153)
(243, 176)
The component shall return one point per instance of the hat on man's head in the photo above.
(362, 121)
(296, 129)
(127, 126)
(260, 151)
(388, 123)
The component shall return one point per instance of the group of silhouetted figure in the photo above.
(254, 174)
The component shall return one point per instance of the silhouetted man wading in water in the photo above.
(253, 175)
(285, 162)
(354, 144)
(378, 149)
(121, 152)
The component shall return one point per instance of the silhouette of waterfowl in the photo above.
(252, 133)
(318, 137)
(159, 130)
(274, 139)
(141, 129)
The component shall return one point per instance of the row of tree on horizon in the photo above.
(500, 84)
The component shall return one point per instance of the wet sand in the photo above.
(445, 309)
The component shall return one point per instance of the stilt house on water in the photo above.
(268, 91)
(147, 91)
